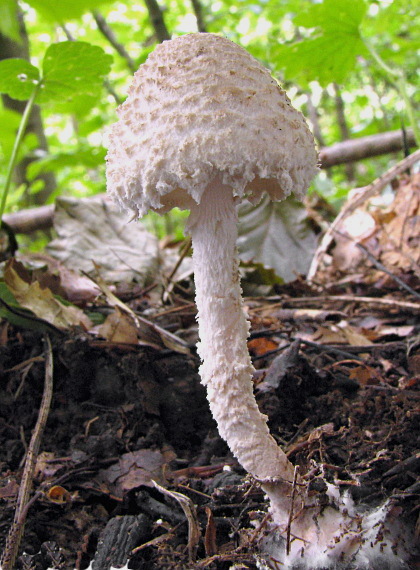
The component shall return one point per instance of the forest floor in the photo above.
(337, 373)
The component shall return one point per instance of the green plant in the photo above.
(69, 70)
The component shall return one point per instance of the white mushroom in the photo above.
(205, 125)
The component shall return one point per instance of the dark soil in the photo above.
(122, 415)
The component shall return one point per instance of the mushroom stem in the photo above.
(226, 368)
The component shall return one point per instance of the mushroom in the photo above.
(204, 126)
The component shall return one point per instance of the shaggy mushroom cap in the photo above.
(202, 108)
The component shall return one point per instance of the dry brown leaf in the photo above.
(329, 335)
(41, 301)
(119, 327)
(365, 375)
(400, 236)
(76, 288)
(260, 346)
(355, 337)
(210, 543)
(359, 227)
(133, 470)
(59, 495)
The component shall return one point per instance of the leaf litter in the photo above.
(130, 448)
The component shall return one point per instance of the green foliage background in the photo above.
(365, 50)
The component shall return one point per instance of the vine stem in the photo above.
(18, 141)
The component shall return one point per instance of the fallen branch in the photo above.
(14, 537)
(353, 150)
(33, 219)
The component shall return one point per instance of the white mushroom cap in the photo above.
(201, 108)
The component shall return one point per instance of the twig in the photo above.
(290, 519)
(356, 201)
(156, 18)
(198, 13)
(351, 299)
(382, 267)
(108, 33)
(14, 537)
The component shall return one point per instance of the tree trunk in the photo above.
(342, 125)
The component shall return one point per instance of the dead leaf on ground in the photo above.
(133, 470)
(391, 234)
(262, 345)
(365, 375)
(51, 273)
(119, 327)
(41, 301)
(343, 333)
(95, 230)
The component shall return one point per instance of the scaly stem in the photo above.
(223, 329)
(16, 146)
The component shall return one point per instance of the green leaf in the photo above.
(18, 78)
(328, 58)
(257, 280)
(333, 15)
(277, 235)
(9, 25)
(91, 157)
(329, 53)
(60, 11)
(71, 69)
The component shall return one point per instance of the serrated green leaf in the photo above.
(71, 69)
(79, 105)
(277, 235)
(60, 11)
(9, 25)
(18, 78)
(328, 58)
(329, 54)
(333, 15)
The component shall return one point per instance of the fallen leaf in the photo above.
(260, 346)
(51, 273)
(119, 327)
(59, 495)
(133, 470)
(365, 375)
(41, 301)
(95, 230)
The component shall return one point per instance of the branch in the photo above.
(198, 13)
(156, 18)
(110, 36)
(27, 221)
(364, 147)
